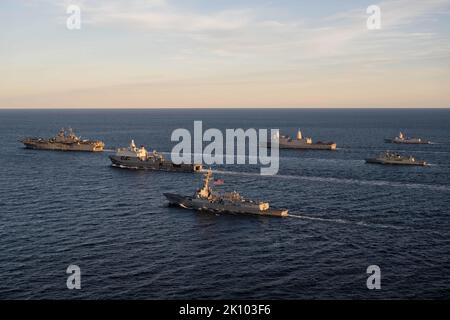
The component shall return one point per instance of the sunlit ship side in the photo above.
(64, 141)
(402, 139)
(139, 158)
(287, 142)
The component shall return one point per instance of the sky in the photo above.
(224, 53)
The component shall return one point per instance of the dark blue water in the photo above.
(60, 208)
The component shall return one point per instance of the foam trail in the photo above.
(342, 180)
(342, 221)
(400, 150)
(255, 159)
(245, 158)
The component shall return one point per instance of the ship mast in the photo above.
(205, 192)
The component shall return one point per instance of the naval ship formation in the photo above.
(205, 199)
(64, 141)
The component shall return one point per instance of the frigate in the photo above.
(205, 199)
(401, 138)
(390, 158)
(64, 141)
(139, 158)
(287, 142)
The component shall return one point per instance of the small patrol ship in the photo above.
(401, 138)
(205, 199)
(139, 158)
(64, 141)
(389, 158)
(287, 142)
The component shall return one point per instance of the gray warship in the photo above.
(64, 141)
(287, 142)
(205, 199)
(402, 139)
(139, 158)
(389, 158)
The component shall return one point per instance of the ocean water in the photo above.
(60, 208)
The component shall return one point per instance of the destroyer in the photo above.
(64, 141)
(406, 140)
(287, 142)
(389, 158)
(205, 199)
(138, 158)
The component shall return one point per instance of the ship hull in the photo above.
(396, 163)
(405, 141)
(58, 146)
(202, 205)
(312, 146)
(306, 146)
(137, 164)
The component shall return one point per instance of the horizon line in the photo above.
(217, 108)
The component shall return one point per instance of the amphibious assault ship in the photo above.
(139, 158)
(64, 141)
(406, 140)
(389, 158)
(205, 199)
(287, 142)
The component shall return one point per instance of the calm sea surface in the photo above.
(59, 208)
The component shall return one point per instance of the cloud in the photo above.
(158, 15)
(248, 32)
(173, 21)
(169, 46)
